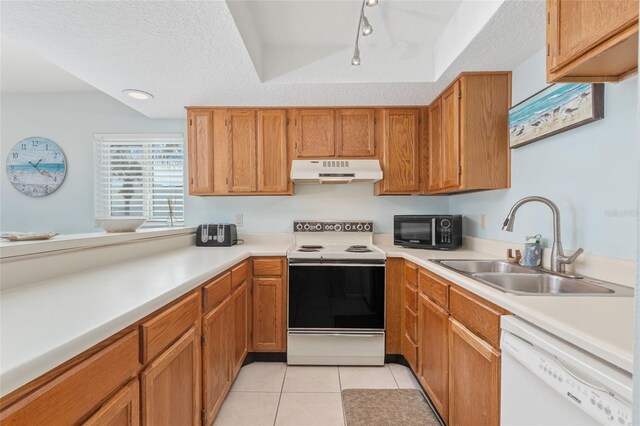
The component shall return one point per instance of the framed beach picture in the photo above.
(555, 109)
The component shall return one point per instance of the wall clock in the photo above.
(36, 166)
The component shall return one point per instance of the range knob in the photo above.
(445, 223)
(299, 227)
(337, 227)
(359, 227)
(306, 227)
(347, 227)
(319, 227)
(367, 227)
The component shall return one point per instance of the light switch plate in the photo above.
(239, 219)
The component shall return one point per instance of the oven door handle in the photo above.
(379, 265)
(311, 333)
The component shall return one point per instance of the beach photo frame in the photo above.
(555, 109)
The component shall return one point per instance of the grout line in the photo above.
(344, 414)
(393, 375)
(284, 378)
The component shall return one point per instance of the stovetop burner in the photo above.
(308, 250)
(359, 249)
(309, 246)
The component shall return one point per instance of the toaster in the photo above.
(216, 235)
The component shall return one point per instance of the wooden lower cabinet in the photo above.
(433, 353)
(241, 326)
(217, 357)
(269, 322)
(171, 384)
(474, 379)
(122, 409)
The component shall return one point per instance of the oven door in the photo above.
(336, 296)
(415, 231)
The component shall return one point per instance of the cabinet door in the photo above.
(200, 152)
(435, 146)
(216, 357)
(315, 133)
(401, 151)
(433, 353)
(580, 26)
(241, 324)
(171, 384)
(269, 320)
(122, 409)
(273, 167)
(474, 382)
(355, 133)
(451, 136)
(241, 137)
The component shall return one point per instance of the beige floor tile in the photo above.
(311, 379)
(310, 409)
(260, 377)
(404, 377)
(367, 378)
(248, 409)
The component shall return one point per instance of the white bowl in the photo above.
(120, 224)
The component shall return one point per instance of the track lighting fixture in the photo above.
(364, 28)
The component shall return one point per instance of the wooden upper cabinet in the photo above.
(451, 136)
(433, 353)
(315, 135)
(435, 146)
(171, 384)
(474, 383)
(591, 41)
(242, 140)
(400, 160)
(469, 144)
(200, 151)
(355, 133)
(273, 165)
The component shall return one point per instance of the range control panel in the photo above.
(332, 226)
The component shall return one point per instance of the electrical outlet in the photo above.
(239, 219)
(483, 222)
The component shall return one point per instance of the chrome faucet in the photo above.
(558, 259)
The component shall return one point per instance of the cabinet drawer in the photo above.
(410, 351)
(411, 274)
(411, 324)
(216, 291)
(75, 394)
(479, 316)
(239, 274)
(162, 330)
(434, 289)
(267, 266)
(411, 298)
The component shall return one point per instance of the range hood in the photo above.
(335, 171)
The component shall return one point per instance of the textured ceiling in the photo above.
(194, 53)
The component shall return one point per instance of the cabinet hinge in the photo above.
(225, 122)
(202, 339)
(419, 120)
(191, 181)
(295, 146)
(548, 18)
(548, 50)
(202, 414)
(375, 121)
(295, 122)
(287, 121)
(459, 170)
(459, 93)
(190, 122)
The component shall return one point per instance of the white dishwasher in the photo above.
(548, 381)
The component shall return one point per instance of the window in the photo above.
(140, 175)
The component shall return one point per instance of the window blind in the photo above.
(140, 175)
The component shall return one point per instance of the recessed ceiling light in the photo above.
(371, 3)
(367, 29)
(138, 94)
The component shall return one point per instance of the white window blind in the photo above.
(140, 175)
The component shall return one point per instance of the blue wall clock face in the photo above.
(36, 166)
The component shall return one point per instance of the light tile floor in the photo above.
(272, 393)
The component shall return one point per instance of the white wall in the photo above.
(341, 202)
(591, 173)
(70, 120)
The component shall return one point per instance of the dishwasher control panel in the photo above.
(590, 396)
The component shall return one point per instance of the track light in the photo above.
(371, 3)
(367, 29)
(355, 61)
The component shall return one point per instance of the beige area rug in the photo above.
(385, 407)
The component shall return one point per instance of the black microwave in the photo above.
(436, 232)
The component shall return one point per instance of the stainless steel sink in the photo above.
(478, 266)
(540, 284)
(519, 280)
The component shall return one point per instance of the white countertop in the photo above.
(47, 323)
